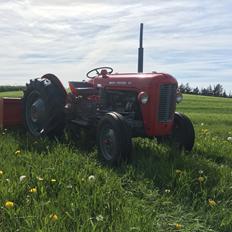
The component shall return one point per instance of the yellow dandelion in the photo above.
(1, 172)
(9, 204)
(201, 179)
(53, 217)
(205, 131)
(17, 152)
(178, 226)
(211, 202)
(178, 171)
(33, 190)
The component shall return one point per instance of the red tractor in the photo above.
(116, 106)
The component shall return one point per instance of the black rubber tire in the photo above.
(53, 104)
(122, 144)
(183, 134)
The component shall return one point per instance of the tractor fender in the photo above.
(56, 82)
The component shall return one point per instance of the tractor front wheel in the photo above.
(114, 139)
(182, 136)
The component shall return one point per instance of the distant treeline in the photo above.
(216, 90)
(6, 88)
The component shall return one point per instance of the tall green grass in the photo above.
(160, 190)
(11, 94)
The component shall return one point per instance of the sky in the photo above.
(191, 40)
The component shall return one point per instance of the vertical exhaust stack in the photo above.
(140, 50)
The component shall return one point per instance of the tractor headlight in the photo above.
(179, 97)
(143, 97)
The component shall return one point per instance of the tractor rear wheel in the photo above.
(43, 107)
(183, 135)
(114, 139)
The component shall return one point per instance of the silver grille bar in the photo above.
(167, 102)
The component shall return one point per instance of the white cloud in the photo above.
(191, 40)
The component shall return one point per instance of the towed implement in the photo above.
(115, 107)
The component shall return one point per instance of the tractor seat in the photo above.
(86, 91)
(82, 88)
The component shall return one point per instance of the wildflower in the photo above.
(178, 171)
(9, 204)
(99, 218)
(8, 180)
(17, 152)
(91, 178)
(167, 190)
(201, 179)
(178, 226)
(53, 217)
(202, 124)
(204, 131)
(53, 180)
(200, 172)
(33, 190)
(1, 172)
(229, 139)
(211, 202)
(39, 178)
(21, 178)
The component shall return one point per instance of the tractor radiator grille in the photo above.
(167, 102)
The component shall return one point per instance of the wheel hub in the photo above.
(108, 143)
(37, 110)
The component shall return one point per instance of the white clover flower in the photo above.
(91, 178)
(167, 190)
(229, 138)
(39, 178)
(202, 124)
(21, 178)
(99, 218)
(200, 172)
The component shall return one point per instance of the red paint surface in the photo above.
(146, 82)
(10, 112)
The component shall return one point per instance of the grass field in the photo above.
(11, 94)
(51, 186)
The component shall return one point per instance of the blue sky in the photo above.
(192, 40)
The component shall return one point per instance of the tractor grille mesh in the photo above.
(167, 102)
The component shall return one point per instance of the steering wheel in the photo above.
(98, 71)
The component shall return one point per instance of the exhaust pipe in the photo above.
(140, 50)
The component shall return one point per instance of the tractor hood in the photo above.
(133, 81)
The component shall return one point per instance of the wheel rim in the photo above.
(108, 143)
(35, 113)
(178, 136)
